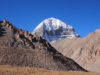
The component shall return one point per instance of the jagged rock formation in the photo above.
(52, 29)
(19, 48)
(85, 51)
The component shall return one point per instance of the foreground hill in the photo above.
(85, 51)
(9, 70)
(19, 48)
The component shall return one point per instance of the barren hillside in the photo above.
(85, 51)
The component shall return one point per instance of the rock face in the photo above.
(19, 48)
(85, 51)
(52, 29)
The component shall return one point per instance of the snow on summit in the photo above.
(52, 29)
(52, 23)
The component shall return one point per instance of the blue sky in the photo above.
(83, 15)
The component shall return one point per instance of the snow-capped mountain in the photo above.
(52, 29)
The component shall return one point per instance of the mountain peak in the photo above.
(53, 23)
(52, 18)
(97, 30)
(4, 20)
(53, 29)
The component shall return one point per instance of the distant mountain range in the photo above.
(52, 29)
(20, 48)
